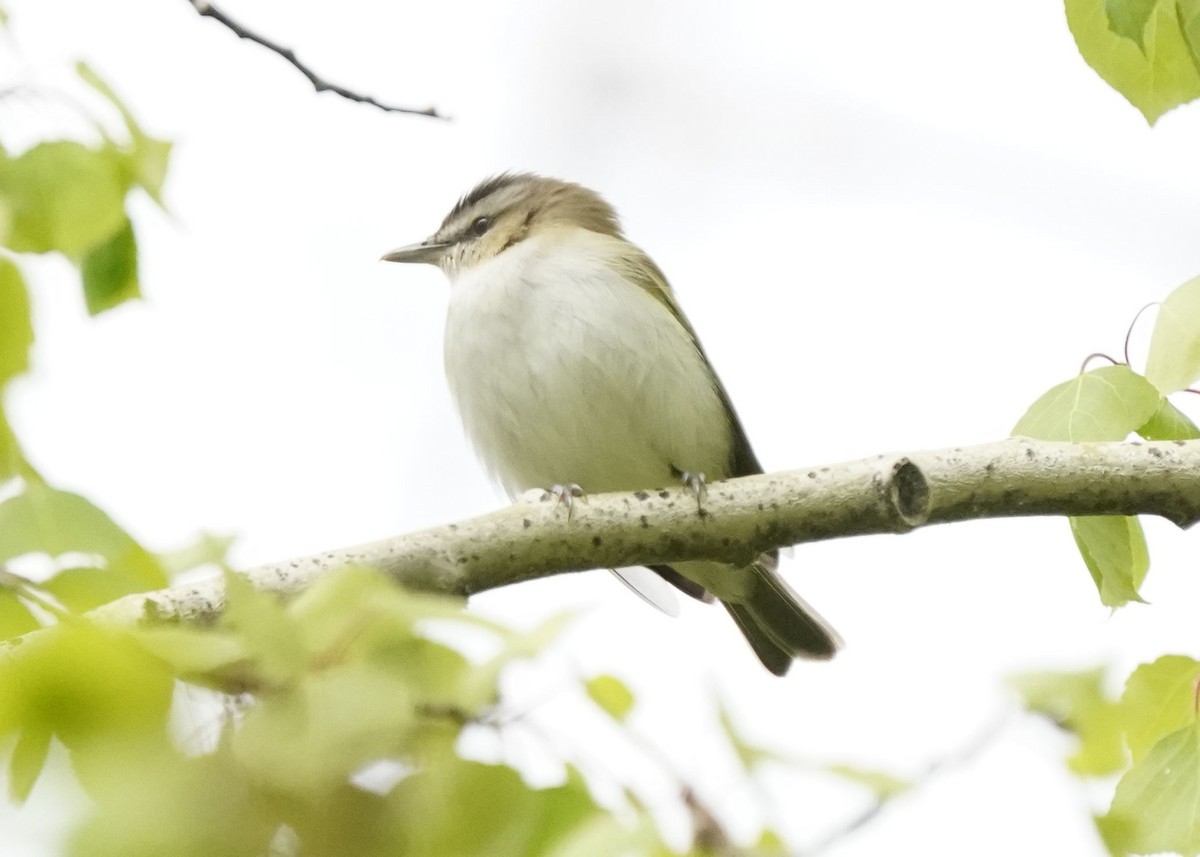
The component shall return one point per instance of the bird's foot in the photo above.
(698, 485)
(565, 495)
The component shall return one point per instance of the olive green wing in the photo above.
(641, 270)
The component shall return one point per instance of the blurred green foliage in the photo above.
(1150, 735)
(342, 717)
(337, 680)
(68, 197)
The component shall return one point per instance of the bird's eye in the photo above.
(480, 226)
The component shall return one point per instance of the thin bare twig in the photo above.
(959, 758)
(708, 835)
(208, 10)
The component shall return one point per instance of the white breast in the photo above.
(564, 372)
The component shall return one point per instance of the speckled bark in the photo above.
(743, 517)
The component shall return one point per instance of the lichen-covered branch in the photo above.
(744, 517)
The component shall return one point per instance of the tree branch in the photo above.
(208, 10)
(742, 518)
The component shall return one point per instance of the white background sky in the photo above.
(893, 226)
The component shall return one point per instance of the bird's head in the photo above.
(502, 211)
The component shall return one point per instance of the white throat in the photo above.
(564, 372)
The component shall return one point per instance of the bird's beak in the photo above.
(427, 251)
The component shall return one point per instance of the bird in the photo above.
(574, 369)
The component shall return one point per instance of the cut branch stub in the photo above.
(908, 491)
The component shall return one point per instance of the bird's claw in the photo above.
(565, 495)
(698, 485)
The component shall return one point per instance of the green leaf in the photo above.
(110, 271)
(1106, 404)
(210, 657)
(28, 759)
(602, 833)
(15, 617)
(149, 156)
(83, 589)
(43, 520)
(12, 460)
(342, 717)
(1078, 702)
(62, 196)
(81, 683)
(519, 645)
(1114, 833)
(207, 549)
(16, 326)
(272, 638)
(356, 594)
(1114, 550)
(1127, 18)
(358, 615)
(611, 694)
(89, 76)
(365, 602)
(1169, 423)
(1174, 359)
(155, 804)
(883, 784)
(769, 845)
(437, 676)
(1159, 698)
(1156, 807)
(1159, 75)
(150, 160)
(1188, 14)
(506, 815)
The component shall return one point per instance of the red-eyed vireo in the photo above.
(574, 367)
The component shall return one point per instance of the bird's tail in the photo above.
(778, 624)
